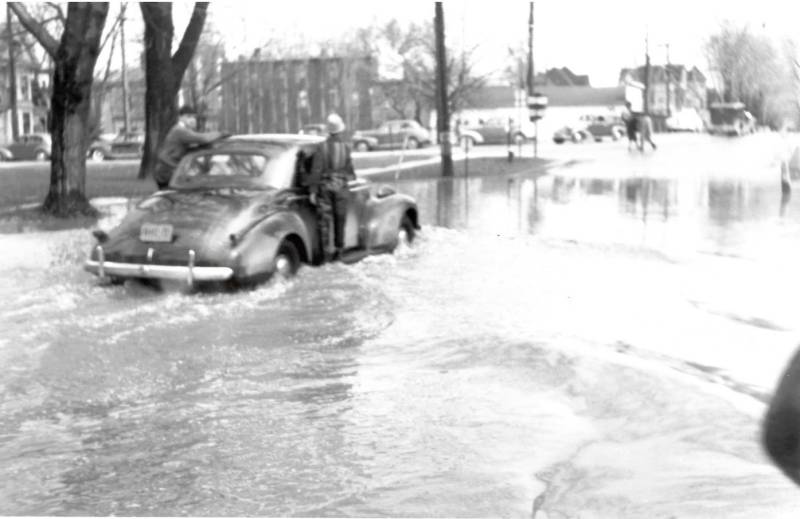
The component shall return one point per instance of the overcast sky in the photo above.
(591, 37)
(588, 36)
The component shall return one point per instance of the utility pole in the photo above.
(125, 114)
(531, 78)
(12, 77)
(443, 112)
(669, 82)
(646, 106)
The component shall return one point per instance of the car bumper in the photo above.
(189, 273)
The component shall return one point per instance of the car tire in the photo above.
(97, 155)
(412, 143)
(361, 146)
(519, 138)
(41, 155)
(287, 260)
(407, 232)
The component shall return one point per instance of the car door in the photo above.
(494, 131)
(21, 149)
(384, 135)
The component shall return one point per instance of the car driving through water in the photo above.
(240, 210)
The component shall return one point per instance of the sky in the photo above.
(596, 38)
(588, 36)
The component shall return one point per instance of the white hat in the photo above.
(335, 124)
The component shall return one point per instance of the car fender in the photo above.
(476, 137)
(384, 217)
(6, 153)
(258, 245)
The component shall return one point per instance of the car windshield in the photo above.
(269, 167)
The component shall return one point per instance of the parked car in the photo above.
(238, 211)
(601, 126)
(685, 121)
(570, 134)
(731, 119)
(313, 129)
(122, 146)
(32, 146)
(497, 130)
(403, 133)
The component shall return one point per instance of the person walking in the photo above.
(338, 171)
(629, 118)
(646, 131)
(180, 139)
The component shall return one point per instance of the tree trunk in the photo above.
(74, 57)
(164, 73)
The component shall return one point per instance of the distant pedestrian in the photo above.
(629, 118)
(645, 131)
(180, 139)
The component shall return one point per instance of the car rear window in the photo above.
(273, 167)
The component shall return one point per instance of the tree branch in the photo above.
(181, 58)
(48, 42)
(59, 12)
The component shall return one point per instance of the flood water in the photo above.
(596, 342)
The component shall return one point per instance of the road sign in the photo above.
(537, 103)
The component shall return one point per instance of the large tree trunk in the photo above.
(74, 57)
(164, 72)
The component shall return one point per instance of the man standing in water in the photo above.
(338, 172)
(180, 139)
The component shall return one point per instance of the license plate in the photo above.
(155, 232)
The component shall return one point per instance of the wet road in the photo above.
(597, 342)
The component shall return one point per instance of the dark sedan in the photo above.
(240, 211)
(123, 146)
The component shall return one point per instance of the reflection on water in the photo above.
(671, 213)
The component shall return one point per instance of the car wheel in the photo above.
(361, 146)
(287, 260)
(97, 155)
(519, 138)
(412, 143)
(577, 137)
(41, 155)
(407, 232)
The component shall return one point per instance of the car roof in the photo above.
(285, 139)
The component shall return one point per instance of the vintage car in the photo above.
(240, 210)
(600, 126)
(32, 146)
(122, 146)
(403, 134)
(365, 143)
(496, 130)
(568, 133)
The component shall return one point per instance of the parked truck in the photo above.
(731, 119)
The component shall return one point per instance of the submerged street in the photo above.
(599, 341)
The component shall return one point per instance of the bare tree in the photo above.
(164, 72)
(204, 75)
(748, 66)
(74, 57)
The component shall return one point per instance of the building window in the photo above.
(25, 88)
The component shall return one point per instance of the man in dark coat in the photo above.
(181, 138)
(338, 172)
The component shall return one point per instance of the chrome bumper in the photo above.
(188, 273)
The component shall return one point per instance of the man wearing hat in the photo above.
(337, 173)
(180, 139)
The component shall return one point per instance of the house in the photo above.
(32, 88)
